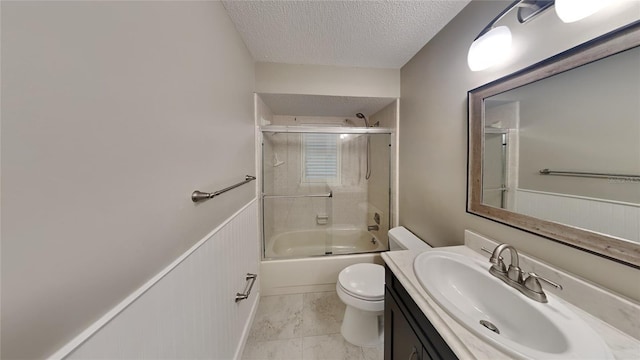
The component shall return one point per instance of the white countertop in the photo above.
(467, 345)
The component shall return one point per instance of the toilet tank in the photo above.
(402, 239)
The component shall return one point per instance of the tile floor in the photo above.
(302, 326)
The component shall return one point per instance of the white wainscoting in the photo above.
(608, 217)
(187, 310)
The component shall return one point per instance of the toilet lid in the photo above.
(364, 281)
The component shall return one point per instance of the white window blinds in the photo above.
(321, 157)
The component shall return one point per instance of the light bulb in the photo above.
(573, 10)
(489, 49)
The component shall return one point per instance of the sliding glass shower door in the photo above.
(317, 198)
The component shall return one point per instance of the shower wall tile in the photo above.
(384, 223)
(387, 116)
(378, 190)
(316, 120)
(265, 115)
(348, 205)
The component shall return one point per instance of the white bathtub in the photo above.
(302, 272)
(304, 243)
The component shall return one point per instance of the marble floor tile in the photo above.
(322, 313)
(373, 353)
(273, 350)
(277, 318)
(329, 347)
(303, 326)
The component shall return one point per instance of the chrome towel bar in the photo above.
(198, 195)
(251, 279)
(590, 175)
(327, 195)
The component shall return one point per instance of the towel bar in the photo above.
(251, 279)
(198, 195)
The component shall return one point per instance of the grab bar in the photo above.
(590, 174)
(251, 279)
(327, 195)
(198, 196)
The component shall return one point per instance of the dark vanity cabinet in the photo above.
(408, 335)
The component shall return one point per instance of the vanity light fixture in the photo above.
(489, 48)
(493, 44)
(573, 10)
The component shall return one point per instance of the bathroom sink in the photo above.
(501, 315)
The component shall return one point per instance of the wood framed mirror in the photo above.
(554, 149)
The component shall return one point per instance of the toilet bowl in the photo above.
(361, 288)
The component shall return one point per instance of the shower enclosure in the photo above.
(317, 199)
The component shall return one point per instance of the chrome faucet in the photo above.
(513, 276)
(373, 228)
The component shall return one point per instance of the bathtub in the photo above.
(302, 271)
(304, 243)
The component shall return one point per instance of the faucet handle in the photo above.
(486, 250)
(498, 263)
(533, 284)
(515, 273)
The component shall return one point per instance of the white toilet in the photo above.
(361, 288)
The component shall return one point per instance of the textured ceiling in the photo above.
(315, 105)
(360, 33)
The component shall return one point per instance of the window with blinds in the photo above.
(321, 158)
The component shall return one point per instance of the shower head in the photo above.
(361, 116)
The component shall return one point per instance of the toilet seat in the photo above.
(363, 281)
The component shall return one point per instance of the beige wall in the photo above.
(112, 114)
(327, 80)
(433, 134)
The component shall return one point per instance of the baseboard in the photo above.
(286, 290)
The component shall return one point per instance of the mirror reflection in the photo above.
(567, 148)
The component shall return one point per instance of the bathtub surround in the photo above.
(348, 209)
(112, 114)
(320, 273)
(433, 139)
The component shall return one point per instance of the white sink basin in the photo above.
(463, 287)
